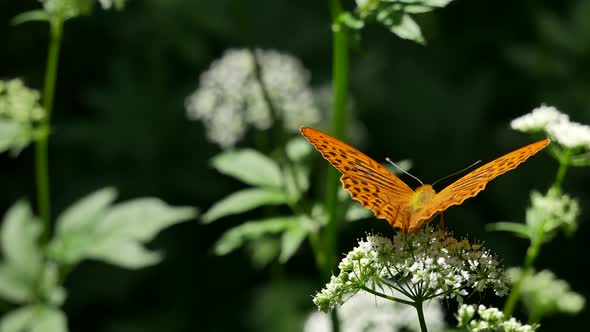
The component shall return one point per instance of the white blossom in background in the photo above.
(19, 103)
(364, 312)
(555, 124)
(538, 119)
(424, 265)
(106, 4)
(570, 134)
(490, 320)
(542, 294)
(552, 211)
(230, 99)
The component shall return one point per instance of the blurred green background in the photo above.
(119, 120)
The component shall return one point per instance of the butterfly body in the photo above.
(390, 198)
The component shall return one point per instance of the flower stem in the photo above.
(532, 253)
(41, 146)
(340, 90)
(420, 310)
(561, 171)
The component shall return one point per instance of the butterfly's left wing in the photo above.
(366, 180)
(474, 182)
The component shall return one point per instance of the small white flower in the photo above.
(230, 99)
(570, 134)
(553, 211)
(19, 103)
(538, 119)
(413, 261)
(490, 319)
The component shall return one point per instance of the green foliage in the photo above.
(292, 230)
(244, 200)
(395, 15)
(274, 184)
(249, 166)
(56, 11)
(24, 275)
(93, 228)
(34, 318)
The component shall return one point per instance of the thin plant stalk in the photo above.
(41, 146)
(340, 91)
(532, 253)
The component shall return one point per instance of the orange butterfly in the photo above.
(390, 198)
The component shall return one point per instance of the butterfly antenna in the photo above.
(403, 170)
(461, 171)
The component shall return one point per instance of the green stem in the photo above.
(532, 253)
(340, 91)
(561, 171)
(41, 146)
(420, 310)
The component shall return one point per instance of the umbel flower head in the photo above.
(20, 115)
(490, 320)
(19, 103)
(230, 98)
(365, 312)
(422, 266)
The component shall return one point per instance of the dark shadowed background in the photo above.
(119, 120)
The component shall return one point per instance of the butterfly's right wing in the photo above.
(474, 182)
(365, 179)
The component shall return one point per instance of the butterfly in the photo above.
(390, 198)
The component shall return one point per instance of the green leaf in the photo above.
(38, 318)
(357, 212)
(436, 3)
(19, 236)
(520, 230)
(296, 179)
(124, 253)
(30, 16)
(82, 214)
(242, 201)
(404, 27)
(91, 228)
(249, 166)
(351, 21)
(251, 231)
(264, 251)
(292, 239)
(13, 286)
(298, 149)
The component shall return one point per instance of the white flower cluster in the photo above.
(556, 124)
(542, 293)
(490, 320)
(426, 264)
(552, 211)
(19, 103)
(230, 99)
(364, 312)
